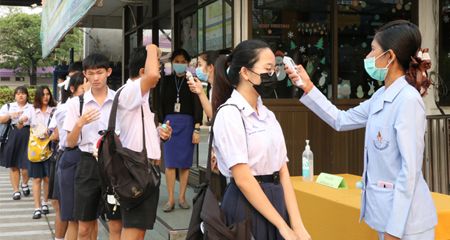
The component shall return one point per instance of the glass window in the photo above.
(146, 36)
(188, 34)
(228, 25)
(444, 55)
(200, 30)
(357, 23)
(301, 30)
(214, 26)
(133, 41)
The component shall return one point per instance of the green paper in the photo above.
(319, 43)
(332, 181)
(293, 46)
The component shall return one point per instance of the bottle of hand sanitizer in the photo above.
(307, 163)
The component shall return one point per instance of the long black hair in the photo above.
(246, 54)
(40, 95)
(404, 39)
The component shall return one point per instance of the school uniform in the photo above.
(14, 152)
(39, 120)
(87, 195)
(183, 109)
(131, 101)
(240, 137)
(395, 197)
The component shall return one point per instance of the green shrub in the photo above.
(7, 95)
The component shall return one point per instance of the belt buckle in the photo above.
(276, 178)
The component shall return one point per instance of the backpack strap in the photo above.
(81, 98)
(211, 138)
(51, 116)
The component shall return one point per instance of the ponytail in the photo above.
(417, 74)
(222, 86)
(76, 80)
(227, 69)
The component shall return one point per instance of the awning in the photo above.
(58, 18)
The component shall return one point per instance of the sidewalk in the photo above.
(168, 226)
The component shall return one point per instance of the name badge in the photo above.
(177, 107)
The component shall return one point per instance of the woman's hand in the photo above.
(195, 137)
(165, 133)
(303, 234)
(196, 86)
(388, 236)
(307, 84)
(287, 233)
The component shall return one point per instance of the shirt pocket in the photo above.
(381, 137)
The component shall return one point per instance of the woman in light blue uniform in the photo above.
(396, 201)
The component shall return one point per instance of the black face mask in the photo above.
(266, 81)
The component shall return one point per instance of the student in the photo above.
(14, 153)
(396, 200)
(39, 117)
(183, 109)
(260, 182)
(83, 131)
(144, 75)
(54, 191)
(66, 166)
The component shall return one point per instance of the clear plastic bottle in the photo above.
(308, 163)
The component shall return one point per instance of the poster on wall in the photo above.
(214, 26)
(188, 34)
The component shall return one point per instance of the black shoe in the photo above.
(25, 190)
(16, 196)
(37, 214)
(44, 209)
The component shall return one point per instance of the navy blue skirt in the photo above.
(179, 150)
(67, 166)
(15, 151)
(235, 207)
(39, 170)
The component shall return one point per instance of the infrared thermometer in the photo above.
(291, 65)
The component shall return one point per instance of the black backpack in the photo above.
(207, 219)
(129, 175)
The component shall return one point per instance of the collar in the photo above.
(388, 94)
(245, 107)
(49, 110)
(392, 91)
(89, 97)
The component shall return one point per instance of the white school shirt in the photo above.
(37, 118)
(57, 122)
(130, 124)
(89, 136)
(14, 107)
(261, 145)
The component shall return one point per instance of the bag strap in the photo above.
(211, 138)
(81, 98)
(113, 114)
(51, 116)
(9, 121)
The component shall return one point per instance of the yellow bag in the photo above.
(38, 149)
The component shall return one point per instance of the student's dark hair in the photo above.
(404, 39)
(137, 61)
(180, 51)
(21, 89)
(210, 57)
(40, 95)
(75, 81)
(246, 54)
(75, 67)
(95, 61)
(62, 76)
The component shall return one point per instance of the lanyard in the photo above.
(178, 86)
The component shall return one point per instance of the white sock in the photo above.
(44, 203)
(59, 238)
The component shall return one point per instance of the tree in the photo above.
(20, 44)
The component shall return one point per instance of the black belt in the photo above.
(70, 148)
(14, 126)
(272, 178)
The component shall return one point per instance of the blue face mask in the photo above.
(179, 68)
(378, 74)
(201, 75)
